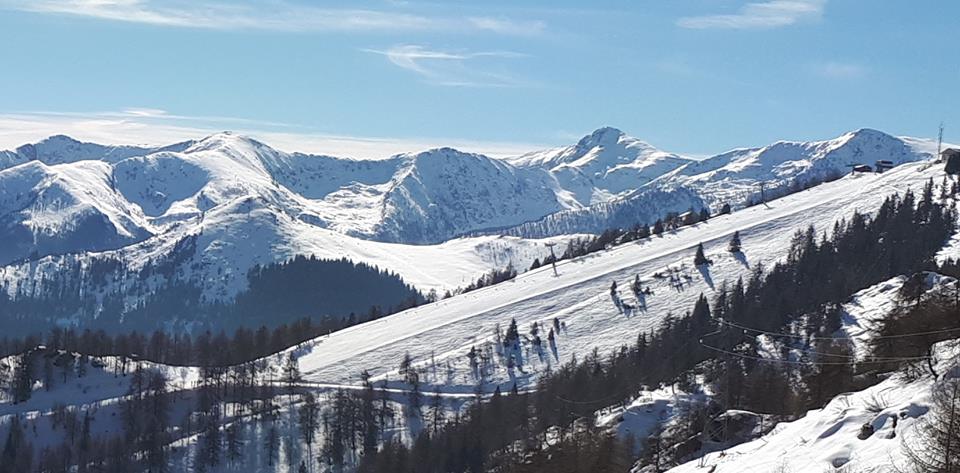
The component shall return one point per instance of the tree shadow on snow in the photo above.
(742, 258)
(641, 301)
(705, 272)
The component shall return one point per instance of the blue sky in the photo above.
(373, 77)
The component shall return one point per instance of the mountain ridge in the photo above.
(429, 196)
(257, 205)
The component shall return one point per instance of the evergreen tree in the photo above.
(408, 371)
(234, 444)
(436, 413)
(704, 214)
(291, 372)
(700, 259)
(734, 246)
(210, 442)
(23, 377)
(368, 415)
(658, 227)
(309, 422)
(272, 444)
(637, 288)
(13, 447)
(512, 337)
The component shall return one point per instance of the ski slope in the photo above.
(439, 335)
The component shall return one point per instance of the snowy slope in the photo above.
(859, 316)
(826, 439)
(235, 239)
(426, 197)
(444, 192)
(730, 176)
(580, 297)
(61, 208)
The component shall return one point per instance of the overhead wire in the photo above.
(791, 335)
(854, 358)
(800, 362)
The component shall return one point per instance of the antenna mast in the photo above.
(940, 142)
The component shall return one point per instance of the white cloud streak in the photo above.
(451, 68)
(839, 70)
(271, 15)
(760, 15)
(155, 127)
(508, 27)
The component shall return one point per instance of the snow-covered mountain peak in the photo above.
(604, 136)
(603, 165)
(444, 152)
(867, 133)
(227, 140)
(449, 192)
(59, 140)
(869, 138)
(60, 149)
(601, 150)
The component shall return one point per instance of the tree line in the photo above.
(95, 292)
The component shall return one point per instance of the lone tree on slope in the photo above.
(735, 243)
(700, 259)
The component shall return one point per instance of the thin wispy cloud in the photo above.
(759, 15)
(839, 70)
(452, 68)
(154, 127)
(272, 15)
(508, 26)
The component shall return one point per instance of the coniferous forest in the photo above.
(333, 293)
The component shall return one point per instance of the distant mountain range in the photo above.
(244, 203)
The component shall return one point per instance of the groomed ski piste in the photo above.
(438, 336)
